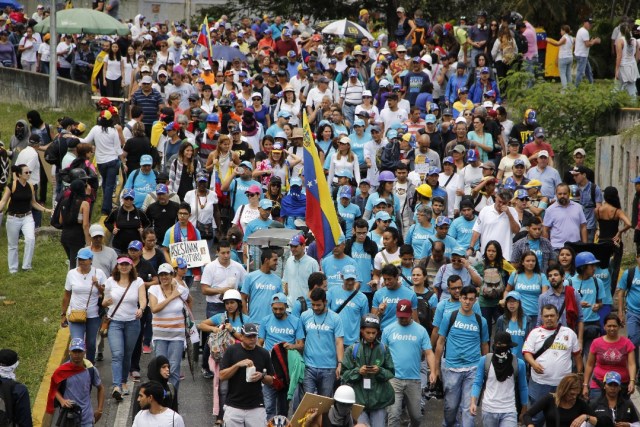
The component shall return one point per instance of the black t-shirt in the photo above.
(551, 412)
(244, 150)
(145, 270)
(136, 147)
(162, 217)
(20, 202)
(523, 133)
(244, 395)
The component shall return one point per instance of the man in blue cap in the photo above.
(143, 180)
(349, 303)
(281, 120)
(163, 213)
(347, 210)
(351, 94)
(263, 221)
(334, 263)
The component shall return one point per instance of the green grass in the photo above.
(30, 325)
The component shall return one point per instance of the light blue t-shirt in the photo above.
(274, 331)
(465, 343)
(391, 298)
(143, 185)
(321, 333)
(416, 236)
(236, 191)
(255, 225)
(376, 196)
(446, 307)
(351, 314)
(487, 139)
(461, 231)
(633, 294)
(349, 213)
(241, 319)
(296, 307)
(166, 242)
(261, 288)
(604, 277)
(534, 246)
(332, 268)
(357, 145)
(590, 291)
(406, 344)
(530, 289)
(518, 335)
(364, 265)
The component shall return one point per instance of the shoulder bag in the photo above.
(104, 326)
(80, 315)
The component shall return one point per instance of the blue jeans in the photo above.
(348, 111)
(122, 340)
(213, 308)
(88, 332)
(109, 172)
(564, 66)
(275, 402)
(407, 392)
(537, 392)
(319, 381)
(490, 419)
(172, 350)
(374, 417)
(583, 69)
(457, 396)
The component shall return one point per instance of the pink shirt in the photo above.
(530, 34)
(611, 357)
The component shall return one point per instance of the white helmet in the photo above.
(345, 394)
(231, 294)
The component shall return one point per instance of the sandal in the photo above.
(117, 394)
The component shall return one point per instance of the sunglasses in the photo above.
(251, 194)
(124, 198)
(256, 99)
(27, 173)
(387, 221)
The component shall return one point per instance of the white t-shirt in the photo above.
(248, 215)
(31, 49)
(389, 258)
(499, 397)
(470, 175)
(400, 190)
(107, 143)
(168, 418)
(29, 156)
(114, 71)
(582, 36)
(168, 323)
(453, 184)
(45, 52)
(495, 226)
(557, 359)
(64, 49)
(80, 285)
(218, 276)
(566, 50)
(205, 214)
(388, 117)
(127, 310)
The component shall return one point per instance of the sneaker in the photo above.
(146, 349)
(117, 394)
(136, 376)
(99, 357)
(206, 374)
(125, 390)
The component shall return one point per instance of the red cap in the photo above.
(403, 309)
(104, 102)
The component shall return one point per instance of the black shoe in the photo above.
(117, 394)
(99, 357)
(206, 374)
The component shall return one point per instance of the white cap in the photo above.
(146, 79)
(147, 37)
(256, 95)
(488, 104)
(206, 66)
(428, 59)
(165, 268)
(96, 230)
(579, 151)
(367, 93)
(338, 50)
(461, 119)
(145, 69)
(542, 153)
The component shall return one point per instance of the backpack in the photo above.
(425, 312)
(219, 342)
(630, 273)
(509, 53)
(280, 362)
(453, 318)
(56, 151)
(522, 43)
(303, 304)
(6, 402)
(492, 283)
(63, 385)
(487, 366)
(419, 35)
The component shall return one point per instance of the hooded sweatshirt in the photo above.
(19, 141)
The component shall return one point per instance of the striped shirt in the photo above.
(352, 92)
(168, 323)
(150, 105)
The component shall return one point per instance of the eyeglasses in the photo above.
(124, 198)
(466, 114)
(183, 214)
(387, 221)
(256, 99)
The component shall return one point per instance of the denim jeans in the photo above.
(583, 69)
(88, 332)
(319, 381)
(213, 308)
(537, 392)
(457, 396)
(14, 226)
(145, 323)
(509, 419)
(172, 350)
(373, 417)
(564, 67)
(122, 339)
(109, 173)
(409, 392)
(275, 402)
(348, 111)
(44, 67)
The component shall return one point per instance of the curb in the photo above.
(57, 356)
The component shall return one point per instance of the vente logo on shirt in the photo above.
(403, 337)
(316, 327)
(276, 330)
(266, 286)
(466, 326)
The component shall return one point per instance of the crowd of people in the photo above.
(456, 228)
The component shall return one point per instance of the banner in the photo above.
(195, 253)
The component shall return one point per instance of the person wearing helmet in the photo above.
(592, 291)
(385, 191)
(339, 414)
(537, 202)
(523, 131)
(232, 318)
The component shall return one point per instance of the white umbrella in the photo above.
(346, 28)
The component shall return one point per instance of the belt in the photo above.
(348, 104)
(17, 215)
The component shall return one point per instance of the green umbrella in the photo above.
(84, 21)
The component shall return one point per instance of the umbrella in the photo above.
(11, 3)
(84, 21)
(345, 28)
(227, 53)
(188, 324)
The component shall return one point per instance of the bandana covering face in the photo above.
(502, 364)
(9, 372)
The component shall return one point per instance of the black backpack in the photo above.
(453, 318)
(56, 151)
(6, 402)
(425, 311)
(522, 43)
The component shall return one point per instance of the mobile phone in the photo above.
(369, 366)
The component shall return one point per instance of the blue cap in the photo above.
(515, 295)
(146, 160)
(442, 220)
(435, 106)
(636, 180)
(341, 239)
(286, 33)
(212, 118)
(333, 61)
(459, 250)
(181, 263)
(509, 184)
(434, 170)
(291, 54)
(285, 114)
(297, 240)
(295, 181)
(518, 162)
(349, 272)
(162, 189)
(430, 118)
(266, 204)
(172, 126)
(448, 159)
(344, 173)
(247, 164)
(135, 244)
(383, 215)
(353, 72)
(416, 59)
(392, 134)
(358, 122)
(378, 201)
(485, 70)
(345, 191)
(267, 31)
(521, 194)
(279, 297)
(128, 193)
(472, 156)
(397, 87)
(612, 377)
(84, 253)
(77, 344)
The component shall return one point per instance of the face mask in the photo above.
(19, 132)
(501, 353)
(343, 409)
(202, 125)
(212, 127)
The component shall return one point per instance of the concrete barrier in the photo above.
(32, 90)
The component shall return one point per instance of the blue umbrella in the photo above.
(13, 3)
(227, 53)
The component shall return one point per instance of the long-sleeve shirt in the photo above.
(8, 54)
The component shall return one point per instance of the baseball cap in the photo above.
(345, 191)
(96, 230)
(430, 118)
(128, 193)
(460, 119)
(442, 220)
(249, 329)
(338, 50)
(504, 338)
(77, 344)
(488, 165)
(515, 295)
(247, 164)
(448, 159)
(266, 204)
(579, 151)
(379, 201)
(543, 153)
(253, 189)
(135, 244)
(472, 155)
(463, 90)
(349, 272)
(346, 173)
(538, 132)
(403, 309)
(534, 183)
(180, 262)
(297, 240)
(521, 194)
(358, 122)
(146, 160)
(162, 189)
(485, 70)
(612, 377)
(202, 177)
(383, 215)
(172, 126)
(487, 104)
(146, 80)
(295, 181)
(459, 148)
(279, 297)
(401, 48)
(635, 180)
(353, 72)
(578, 169)
(277, 147)
(341, 239)
(285, 114)
(433, 170)
(518, 162)
(165, 268)
(531, 117)
(85, 253)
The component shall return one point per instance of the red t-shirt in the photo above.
(533, 148)
(611, 357)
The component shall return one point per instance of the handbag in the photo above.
(80, 316)
(104, 326)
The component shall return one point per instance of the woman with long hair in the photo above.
(504, 52)
(130, 63)
(324, 140)
(565, 407)
(75, 217)
(278, 164)
(565, 54)
(343, 159)
(481, 139)
(229, 86)
(260, 110)
(127, 291)
(567, 261)
(113, 72)
(163, 54)
(183, 169)
(207, 101)
(136, 147)
(627, 57)
(609, 215)
(514, 321)
(289, 102)
(495, 271)
(507, 163)
(385, 191)
(204, 216)
(266, 145)
(150, 250)
(222, 161)
(530, 282)
(173, 101)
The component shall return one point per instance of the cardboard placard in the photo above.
(195, 252)
(323, 404)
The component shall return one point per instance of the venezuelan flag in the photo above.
(204, 38)
(322, 218)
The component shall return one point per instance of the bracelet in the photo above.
(632, 381)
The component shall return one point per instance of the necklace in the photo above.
(321, 324)
(84, 275)
(202, 205)
(170, 288)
